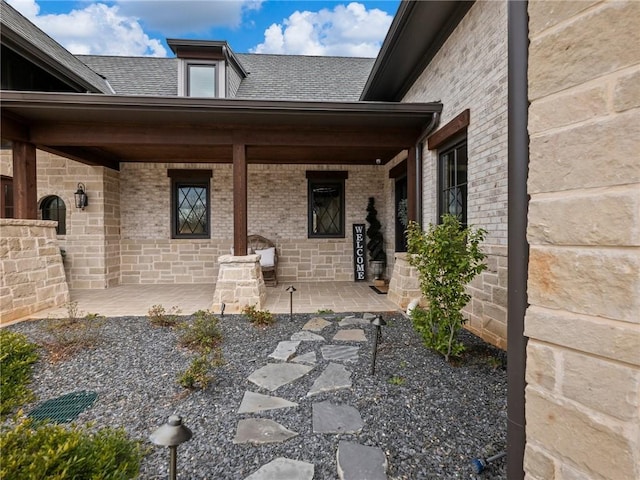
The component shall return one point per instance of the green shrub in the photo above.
(201, 335)
(199, 375)
(397, 380)
(17, 355)
(447, 258)
(40, 450)
(72, 334)
(260, 318)
(159, 317)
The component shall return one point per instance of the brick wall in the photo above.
(277, 209)
(31, 272)
(470, 72)
(583, 323)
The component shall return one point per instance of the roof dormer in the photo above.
(206, 68)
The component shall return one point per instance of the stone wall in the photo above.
(583, 323)
(470, 72)
(31, 272)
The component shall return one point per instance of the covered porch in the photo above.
(135, 300)
(260, 155)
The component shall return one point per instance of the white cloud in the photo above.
(177, 17)
(97, 29)
(349, 30)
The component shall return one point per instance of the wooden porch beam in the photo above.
(105, 135)
(14, 129)
(240, 199)
(86, 156)
(25, 194)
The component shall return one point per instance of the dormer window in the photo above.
(201, 80)
(206, 69)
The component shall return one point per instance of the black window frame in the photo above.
(327, 179)
(453, 147)
(46, 205)
(190, 179)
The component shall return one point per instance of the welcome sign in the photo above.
(359, 270)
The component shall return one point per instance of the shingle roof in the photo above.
(271, 77)
(137, 75)
(296, 77)
(46, 51)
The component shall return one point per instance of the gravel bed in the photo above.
(429, 417)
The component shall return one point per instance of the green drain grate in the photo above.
(64, 409)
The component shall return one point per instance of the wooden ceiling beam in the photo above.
(93, 157)
(14, 128)
(137, 135)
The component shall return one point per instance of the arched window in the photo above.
(53, 208)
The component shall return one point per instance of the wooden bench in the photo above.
(268, 258)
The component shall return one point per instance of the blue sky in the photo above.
(140, 27)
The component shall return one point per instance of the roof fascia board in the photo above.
(405, 53)
(115, 102)
(17, 43)
(425, 59)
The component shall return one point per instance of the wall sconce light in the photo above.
(81, 197)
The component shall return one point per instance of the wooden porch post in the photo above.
(240, 199)
(25, 195)
(412, 186)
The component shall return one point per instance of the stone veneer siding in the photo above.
(583, 323)
(277, 209)
(31, 272)
(470, 72)
(91, 242)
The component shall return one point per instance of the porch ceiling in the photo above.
(106, 130)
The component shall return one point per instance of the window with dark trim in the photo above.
(326, 204)
(53, 208)
(190, 203)
(6, 197)
(452, 173)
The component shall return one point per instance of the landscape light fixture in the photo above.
(290, 291)
(171, 434)
(378, 322)
(81, 197)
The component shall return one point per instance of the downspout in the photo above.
(428, 130)
(518, 255)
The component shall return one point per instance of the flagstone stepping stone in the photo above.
(261, 430)
(309, 357)
(352, 335)
(334, 377)
(307, 336)
(285, 350)
(340, 353)
(284, 469)
(273, 375)
(332, 418)
(353, 321)
(256, 402)
(356, 462)
(316, 324)
(368, 316)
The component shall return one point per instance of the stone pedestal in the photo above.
(240, 283)
(404, 285)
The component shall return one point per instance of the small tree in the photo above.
(375, 245)
(447, 258)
